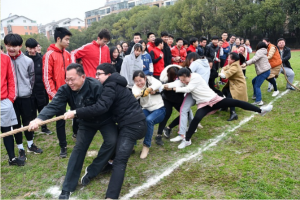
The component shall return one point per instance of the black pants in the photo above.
(128, 135)
(8, 142)
(211, 84)
(23, 108)
(85, 135)
(226, 92)
(244, 72)
(169, 109)
(61, 130)
(273, 82)
(221, 104)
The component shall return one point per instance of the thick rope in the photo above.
(287, 78)
(27, 127)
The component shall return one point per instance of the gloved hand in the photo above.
(145, 92)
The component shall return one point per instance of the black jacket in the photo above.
(118, 64)
(131, 44)
(202, 51)
(172, 96)
(212, 50)
(115, 96)
(167, 54)
(286, 55)
(39, 91)
(86, 96)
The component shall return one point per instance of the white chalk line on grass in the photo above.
(212, 142)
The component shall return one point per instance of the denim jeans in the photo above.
(153, 118)
(257, 82)
(128, 135)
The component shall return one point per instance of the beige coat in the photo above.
(236, 81)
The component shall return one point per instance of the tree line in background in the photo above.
(252, 19)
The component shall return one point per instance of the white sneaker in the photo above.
(258, 103)
(184, 144)
(177, 138)
(266, 109)
(275, 93)
(200, 126)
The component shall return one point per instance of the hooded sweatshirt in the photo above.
(129, 66)
(55, 63)
(201, 67)
(92, 55)
(24, 69)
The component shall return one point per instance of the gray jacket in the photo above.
(24, 69)
(130, 65)
(261, 61)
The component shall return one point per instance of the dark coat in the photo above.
(167, 54)
(285, 57)
(118, 64)
(131, 44)
(86, 96)
(115, 96)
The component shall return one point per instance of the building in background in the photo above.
(48, 29)
(18, 24)
(116, 6)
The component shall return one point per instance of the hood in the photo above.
(164, 75)
(262, 51)
(117, 78)
(54, 48)
(202, 62)
(132, 53)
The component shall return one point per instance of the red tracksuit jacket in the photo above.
(8, 79)
(158, 66)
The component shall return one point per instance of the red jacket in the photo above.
(92, 55)
(158, 62)
(176, 52)
(190, 49)
(150, 46)
(8, 79)
(55, 63)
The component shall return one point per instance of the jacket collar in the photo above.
(15, 57)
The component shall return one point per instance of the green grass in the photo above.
(258, 160)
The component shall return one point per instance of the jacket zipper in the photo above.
(17, 88)
(64, 63)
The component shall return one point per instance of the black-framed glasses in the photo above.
(98, 74)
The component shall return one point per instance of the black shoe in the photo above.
(291, 88)
(158, 140)
(233, 116)
(85, 180)
(22, 155)
(74, 136)
(16, 161)
(34, 149)
(167, 132)
(46, 131)
(224, 109)
(107, 169)
(64, 195)
(63, 152)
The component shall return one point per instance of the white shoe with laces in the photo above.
(177, 138)
(184, 144)
(266, 109)
(275, 93)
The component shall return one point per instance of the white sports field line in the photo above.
(212, 142)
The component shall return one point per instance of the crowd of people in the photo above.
(125, 90)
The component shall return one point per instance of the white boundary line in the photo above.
(212, 142)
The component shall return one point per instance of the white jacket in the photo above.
(197, 86)
(150, 102)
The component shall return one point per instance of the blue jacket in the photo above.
(147, 62)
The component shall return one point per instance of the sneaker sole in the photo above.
(16, 164)
(84, 176)
(28, 151)
(63, 156)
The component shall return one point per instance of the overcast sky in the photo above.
(45, 11)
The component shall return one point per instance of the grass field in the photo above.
(259, 160)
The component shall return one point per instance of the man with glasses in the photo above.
(94, 53)
(81, 91)
(232, 42)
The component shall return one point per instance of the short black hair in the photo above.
(141, 42)
(171, 36)
(136, 34)
(234, 56)
(104, 33)
(193, 40)
(79, 68)
(232, 35)
(61, 32)
(108, 68)
(158, 41)
(261, 45)
(139, 73)
(31, 43)
(150, 33)
(186, 72)
(210, 60)
(185, 42)
(267, 39)
(220, 40)
(164, 33)
(224, 32)
(203, 38)
(137, 47)
(215, 38)
(177, 39)
(280, 39)
(124, 43)
(13, 40)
